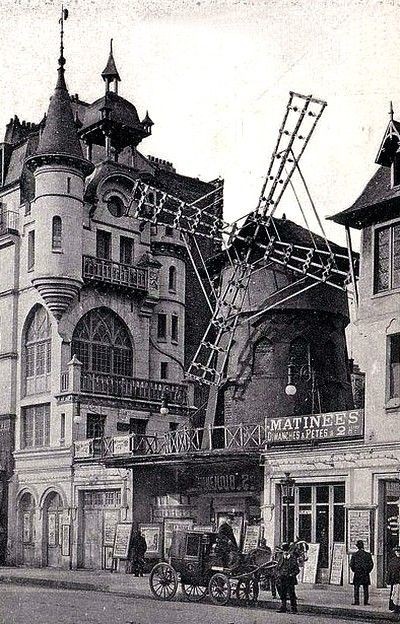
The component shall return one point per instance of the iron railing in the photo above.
(9, 221)
(244, 437)
(115, 273)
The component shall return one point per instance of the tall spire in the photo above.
(391, 113)
(110, 73)
(60, 136)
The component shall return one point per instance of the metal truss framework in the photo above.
(249, 243)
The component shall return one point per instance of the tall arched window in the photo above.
(56, 238)
(262, 357)
(101, 342)
(37, 345)
(172, 278)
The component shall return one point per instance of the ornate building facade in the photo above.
(94, 319)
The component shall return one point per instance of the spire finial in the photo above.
(391, 113)
(64, 16)
(111, 46)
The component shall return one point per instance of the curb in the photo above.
(313, 609)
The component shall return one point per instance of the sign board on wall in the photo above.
(122, 540)
(152, 535)
(358, 528)
(311, 565)
(227, 482)
(329, 426)
(338, 552)
(251, 538)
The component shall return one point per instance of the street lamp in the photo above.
(297, 373)
(287, 489)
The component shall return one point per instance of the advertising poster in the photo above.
(152, 535)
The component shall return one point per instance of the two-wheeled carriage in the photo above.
(193, 564)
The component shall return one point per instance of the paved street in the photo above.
(29, 605)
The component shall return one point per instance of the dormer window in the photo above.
(396, 170)
(115, 206)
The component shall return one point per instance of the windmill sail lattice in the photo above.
(251, 242)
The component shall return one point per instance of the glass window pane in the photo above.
(382, 250)
(338, 523)
(396, 257)
(193, 545)
(305, 494)
(322, 535)
(338, 493)
(305, 524)
(323, 494)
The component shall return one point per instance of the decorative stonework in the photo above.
(57, 292)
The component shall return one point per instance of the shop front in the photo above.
(198, 495)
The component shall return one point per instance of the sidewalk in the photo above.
(317, 599)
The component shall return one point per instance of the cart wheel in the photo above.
(219, 588)
(194, 592)
(163, 581)
(247, 589)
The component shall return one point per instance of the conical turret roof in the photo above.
(60, 135)
(110, 72)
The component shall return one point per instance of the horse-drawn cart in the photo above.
(194, 564)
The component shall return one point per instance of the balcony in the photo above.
(220, 439)
(9, 221)
(107, 272)
(78, 381)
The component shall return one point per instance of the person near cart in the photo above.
(287, 570)
(393, 579)
(361, 564)
(227, 546)
(138, 551)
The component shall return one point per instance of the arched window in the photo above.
(262, 357)
(56, 237)
(300, 352)
(172, 278)
(116, 206)
(37, 346)
(102, 343)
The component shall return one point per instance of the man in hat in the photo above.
(287, 570)
(226, 541)
(361, 564)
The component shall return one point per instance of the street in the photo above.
(29, 605)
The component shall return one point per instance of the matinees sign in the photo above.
(315, 427)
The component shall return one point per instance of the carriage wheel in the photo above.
(194, 592)
(247, 589)
(163, 581)
(219, 588)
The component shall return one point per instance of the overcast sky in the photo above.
(215, 76)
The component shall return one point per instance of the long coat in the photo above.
(287, 569)
(361, 564)
(226, 532)
(393, 573)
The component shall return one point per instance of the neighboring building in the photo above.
(371, 471)
(96, 310)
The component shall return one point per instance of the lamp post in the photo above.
(287, 489)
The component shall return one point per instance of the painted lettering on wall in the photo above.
(328, 426)
(233, 482)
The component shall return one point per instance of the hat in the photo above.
(360, 544)
(285, 546)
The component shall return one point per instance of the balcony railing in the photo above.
(115, 273)
(78, 381)
(132, 388)
(9, 221)
(249, 437)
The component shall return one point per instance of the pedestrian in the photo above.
(138, 551)
(361, 564)
(393, 579)
(287, 570)
(226, 546)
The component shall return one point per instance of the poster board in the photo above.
(171, 525)
(152, 535)
(311, 565)
(110, 523)
(122, 540)
(359, 527)
(251, 537)
(237, 525)
(52, 529)
(336, 570)
(65, 540)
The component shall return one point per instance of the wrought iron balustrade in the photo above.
(9, 222)
(115, 273)
(132, 387)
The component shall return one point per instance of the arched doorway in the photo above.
(26, 530)
(52, 523)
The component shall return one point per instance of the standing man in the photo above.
(361, 564)
(226, 541)
(138, 551)
(286, 572)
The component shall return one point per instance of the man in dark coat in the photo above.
(138, 550)
(361, 564)
(226, 541)
(286, 573)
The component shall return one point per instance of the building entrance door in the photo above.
(316, 514)
(53, 521)
(100, 517)
(391, 520)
